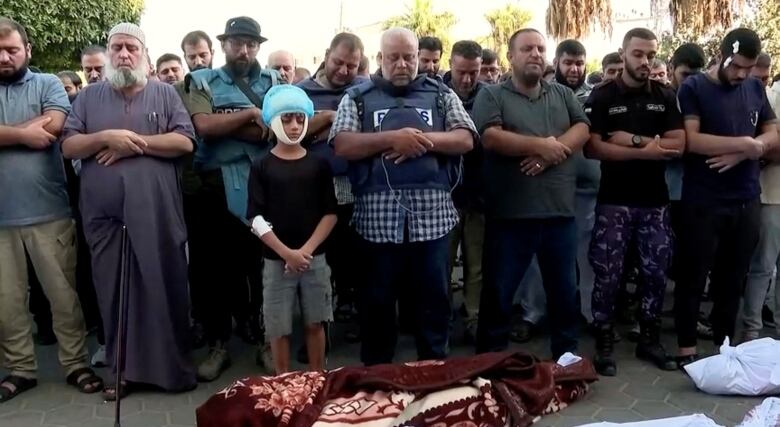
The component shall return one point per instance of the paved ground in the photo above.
(638, 392)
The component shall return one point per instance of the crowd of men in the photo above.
(554, 193)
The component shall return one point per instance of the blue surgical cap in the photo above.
(286, 99)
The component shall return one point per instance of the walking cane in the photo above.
(121, 326)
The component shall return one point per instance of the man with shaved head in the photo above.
(283, 62)
(403, 136)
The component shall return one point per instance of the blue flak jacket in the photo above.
(327, 99)
(233, 157)
(383, 107)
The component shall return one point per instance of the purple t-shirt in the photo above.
(724, 111)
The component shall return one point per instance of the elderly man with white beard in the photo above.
(129, 131)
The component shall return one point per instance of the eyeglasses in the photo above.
(238, 43)
(287, 118)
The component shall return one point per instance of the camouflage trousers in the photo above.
(616, 227)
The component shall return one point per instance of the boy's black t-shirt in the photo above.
(293, 196)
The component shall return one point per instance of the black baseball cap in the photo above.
(242, 26)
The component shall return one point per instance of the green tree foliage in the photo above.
(503, 23)
(424, 21)
(761, 15)
(767, 24)
(593, 64)
(709, 41)
(703, 16)
(574, 19)
(58, 29)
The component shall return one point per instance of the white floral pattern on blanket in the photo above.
(286, 394)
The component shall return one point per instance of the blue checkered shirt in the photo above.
(384, 217)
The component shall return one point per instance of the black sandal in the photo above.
(109, 392)
(20, 385)
(85, 380)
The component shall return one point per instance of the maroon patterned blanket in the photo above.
(495, 389)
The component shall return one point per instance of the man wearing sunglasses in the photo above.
(225, 107)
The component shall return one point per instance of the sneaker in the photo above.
(99, 358)
(216, 362)
(264, 358)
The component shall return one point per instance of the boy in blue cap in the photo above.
(292, 191)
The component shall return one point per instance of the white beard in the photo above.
(123, 77)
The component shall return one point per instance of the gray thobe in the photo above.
(143, 193)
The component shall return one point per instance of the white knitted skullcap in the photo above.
(128, 29)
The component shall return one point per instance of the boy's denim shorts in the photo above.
(282, 290)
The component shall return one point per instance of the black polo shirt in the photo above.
(648, 111)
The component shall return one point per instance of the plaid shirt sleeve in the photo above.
(347, 119)
(456, 116)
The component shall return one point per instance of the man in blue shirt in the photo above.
(35, 218)
(729, 126)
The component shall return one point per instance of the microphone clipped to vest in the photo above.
(383, 107)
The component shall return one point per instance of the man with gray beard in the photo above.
(129, 133)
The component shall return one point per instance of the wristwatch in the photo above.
(636, 140)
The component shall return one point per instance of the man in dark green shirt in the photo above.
(530, 129)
